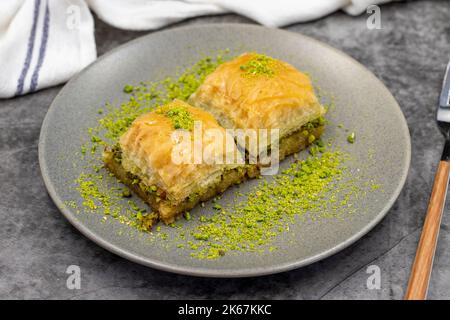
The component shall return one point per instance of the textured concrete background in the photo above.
(37, 244)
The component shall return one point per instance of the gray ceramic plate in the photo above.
(362, 103)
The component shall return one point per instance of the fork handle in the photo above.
(423, 263)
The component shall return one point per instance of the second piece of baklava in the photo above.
(255, 91)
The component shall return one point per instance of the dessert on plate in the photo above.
(182, 153)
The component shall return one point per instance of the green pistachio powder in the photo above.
(180, 117)
(260, 65)
(318, 185)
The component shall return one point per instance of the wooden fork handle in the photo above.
(423, 263)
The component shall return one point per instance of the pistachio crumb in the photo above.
(351, 137)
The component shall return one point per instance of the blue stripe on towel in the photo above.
(31, 38)
(35, 77)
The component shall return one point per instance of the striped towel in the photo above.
(46, 42)
(38, 47)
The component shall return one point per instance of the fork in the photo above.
(423, 262)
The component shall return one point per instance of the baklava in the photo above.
(156, 158)
(255, 91)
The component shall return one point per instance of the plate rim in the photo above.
(202, 271)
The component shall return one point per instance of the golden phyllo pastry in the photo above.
(174, 157)
(254, 91)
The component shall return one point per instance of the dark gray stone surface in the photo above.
(408, 54)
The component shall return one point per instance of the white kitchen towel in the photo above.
(45, 42)
(38, 45)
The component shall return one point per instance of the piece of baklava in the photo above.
(254, 91)
(175, 157)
